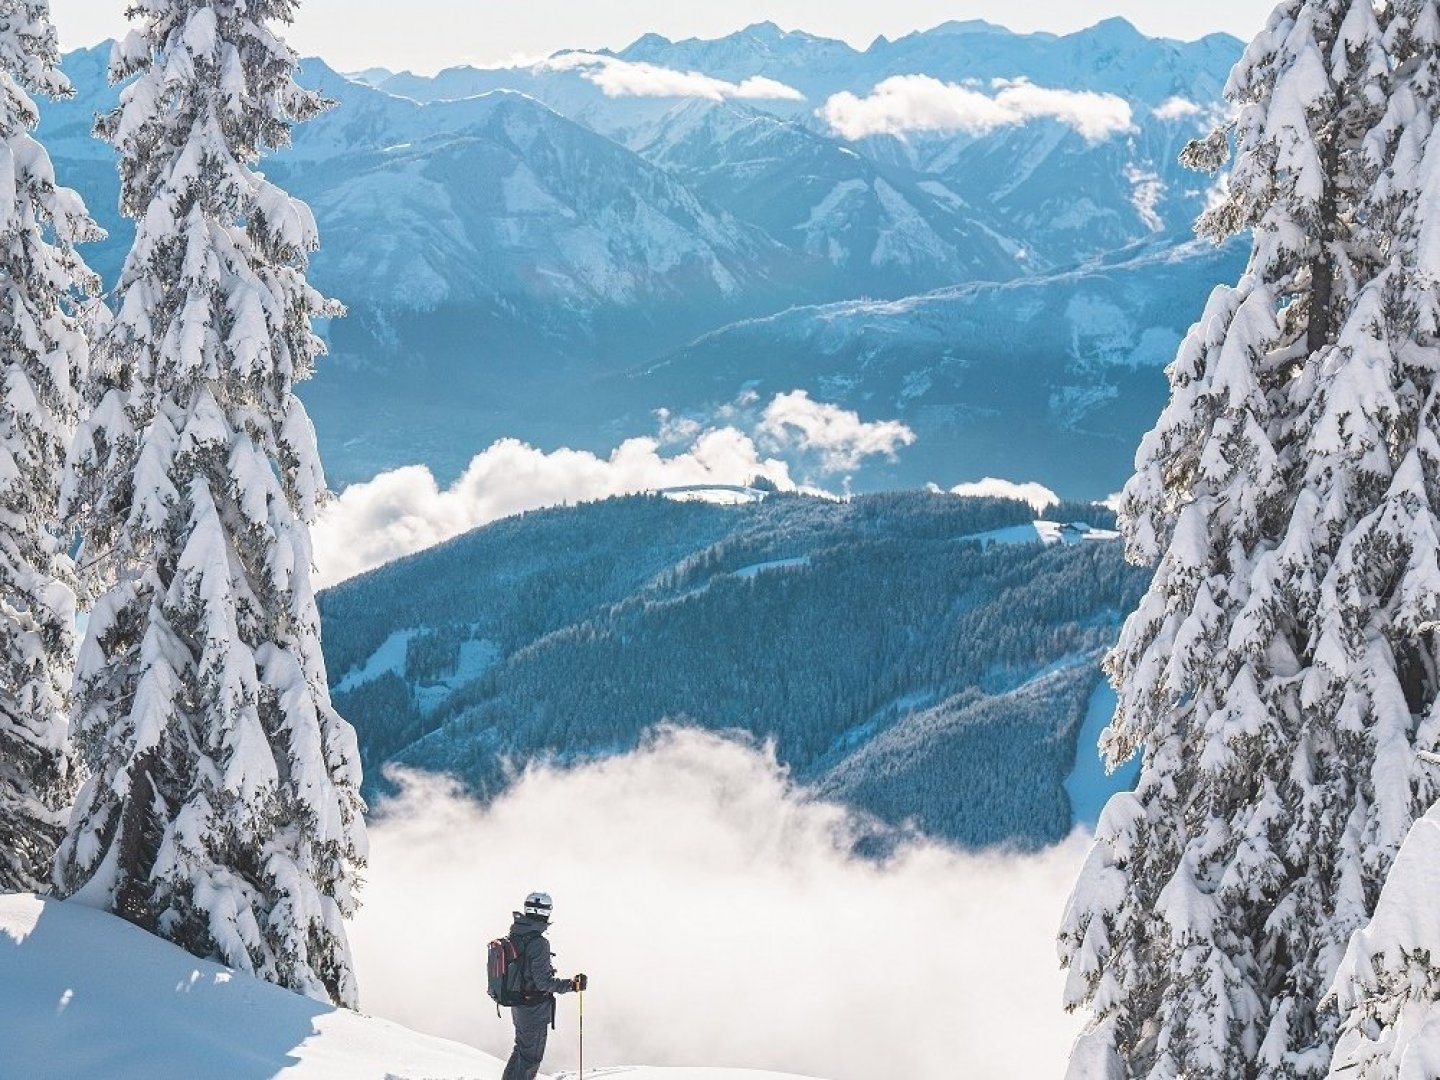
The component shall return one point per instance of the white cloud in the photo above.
(842, 439)
(405, 510)
(1176, 108)
(1037, 495)
(910, 103)
(625, 78)
(722, 921)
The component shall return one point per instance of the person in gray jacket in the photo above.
(535, 1014)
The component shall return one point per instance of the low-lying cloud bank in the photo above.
(405, 510)
(722, 920)
(904, 104)
(626, 78)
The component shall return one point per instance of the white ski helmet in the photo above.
(538, 903)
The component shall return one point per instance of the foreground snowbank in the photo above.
(87, 996)
(84, 994)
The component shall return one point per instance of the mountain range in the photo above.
(521, 249)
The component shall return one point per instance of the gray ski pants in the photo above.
(532, 1027)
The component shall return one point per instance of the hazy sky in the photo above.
(426, 35)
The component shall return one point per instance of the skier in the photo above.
(538, 984)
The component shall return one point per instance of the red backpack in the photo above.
(504, 972)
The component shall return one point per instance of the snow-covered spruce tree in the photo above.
(223, 811)
(1277, 678)
(1388, 987)
(43, 351)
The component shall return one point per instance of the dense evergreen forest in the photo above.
(909, 653)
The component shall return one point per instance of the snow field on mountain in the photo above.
(1091, 784)
(389, 657)
(1049, 533)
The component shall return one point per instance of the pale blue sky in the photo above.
(425, 35)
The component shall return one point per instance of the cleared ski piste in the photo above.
(86, 996)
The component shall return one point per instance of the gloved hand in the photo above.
(578, 983)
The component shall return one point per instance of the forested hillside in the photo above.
(922, 656)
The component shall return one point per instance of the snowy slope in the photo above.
(500, 196)
(87, 996)
(858, 228)
(1090, 784)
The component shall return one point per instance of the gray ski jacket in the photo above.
(537, 967)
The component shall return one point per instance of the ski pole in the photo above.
(582, 1035)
